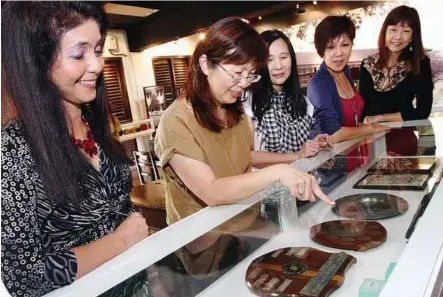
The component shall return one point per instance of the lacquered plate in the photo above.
(370, 206)
(349, 234)
(298, 272)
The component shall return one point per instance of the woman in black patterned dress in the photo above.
(399, 73)
(65, 204)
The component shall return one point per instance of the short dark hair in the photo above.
(330, 28)
(229, 40)
(262, 90)
(404, 15)
(31, 35)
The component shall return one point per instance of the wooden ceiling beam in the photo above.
(164, 27)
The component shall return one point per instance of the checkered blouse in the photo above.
(278, 131)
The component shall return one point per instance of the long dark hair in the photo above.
(31, 34)
(229, 40)
(261, 92)
(404, 15)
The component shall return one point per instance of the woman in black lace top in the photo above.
(65, 204)
(398, 73)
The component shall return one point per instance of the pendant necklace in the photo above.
(88, 145)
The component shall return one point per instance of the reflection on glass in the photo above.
(137, 285)
(404, 165)
(426, 145)
(333, 171)
(411, 141)
(198, 264)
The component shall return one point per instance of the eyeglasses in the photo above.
(251, 78)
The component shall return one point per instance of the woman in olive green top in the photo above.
(204, 141)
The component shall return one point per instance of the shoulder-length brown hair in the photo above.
(404, 15)
(229, 40)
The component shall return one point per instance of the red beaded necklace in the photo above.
(88, 145)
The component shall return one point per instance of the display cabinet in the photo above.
(209, 252)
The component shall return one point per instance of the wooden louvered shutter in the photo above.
(118, 97)
(170, 73)
(130, 146)
(180, 70)
(116, 89)
(163, 77)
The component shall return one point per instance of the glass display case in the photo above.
(209, 252)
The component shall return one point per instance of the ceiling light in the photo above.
(245, 20)
(315, 2)
(111, 8)
(259, 17)
(297, 6)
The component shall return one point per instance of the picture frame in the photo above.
(398, 181)
(155, 99)
(401, 165)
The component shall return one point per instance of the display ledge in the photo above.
(136, 123)
(150, 131)
(135, 135)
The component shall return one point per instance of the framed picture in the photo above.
(155, 99)
(422, 165)
(404, 181)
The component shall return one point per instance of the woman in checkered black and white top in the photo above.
(281, 117)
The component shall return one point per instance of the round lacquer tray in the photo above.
(370, 206)
(298, 272)
(349, 234)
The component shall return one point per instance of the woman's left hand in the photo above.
(309, 149)
(373, 119)
(324, 141)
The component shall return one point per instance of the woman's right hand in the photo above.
(373, 119)
(379, 128)
(132, 230)
(302, 186)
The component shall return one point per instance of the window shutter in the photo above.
(163, 76)
(180, 69)
(116, 89)
(170, 73)
(130, 146)
(118, 98)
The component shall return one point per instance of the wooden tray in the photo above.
(349, 234)
(298, 272)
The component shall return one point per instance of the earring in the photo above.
(410, 47)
